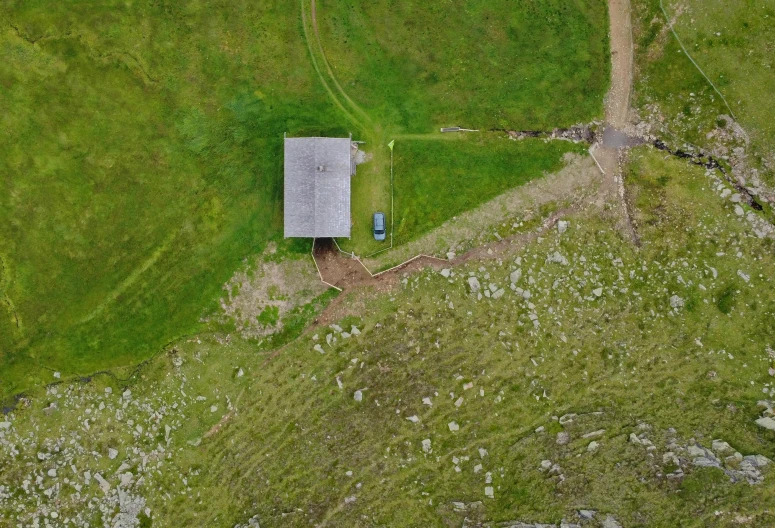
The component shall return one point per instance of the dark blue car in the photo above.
(379, 226)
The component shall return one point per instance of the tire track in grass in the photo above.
(5, 285)
(353, 105)
(315, 64)
(131, 279)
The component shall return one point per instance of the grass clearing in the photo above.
(415, 66)
(436, 180)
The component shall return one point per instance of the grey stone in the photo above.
(112, 453)
(358, 396)
(706, 462)
(473, 283)
(562, 226)
(446, 272)
(516, 275)
(565, 418)
(597, 292)
(758, 461)
(720, 447)
(676, 302)
(557, 258)
(611, 522)
(594, 434)
(766, 422)
(563, 438)
(104, 484)
(587, 514)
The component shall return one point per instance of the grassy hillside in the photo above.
(140, 149)
(609, 401)
(733, 43)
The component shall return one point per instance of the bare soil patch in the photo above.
(258, 297)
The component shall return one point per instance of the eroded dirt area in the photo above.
(258, 297)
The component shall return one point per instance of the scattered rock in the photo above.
(562, 226)
(104, 484)
(473, 283)
(676, 302)
(453, 426)
(720, 447)
(563, 438)
(112, 453)
(358, 396)
(766, 422)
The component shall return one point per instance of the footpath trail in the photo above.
(611, 153)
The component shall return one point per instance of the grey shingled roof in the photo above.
(317, 187)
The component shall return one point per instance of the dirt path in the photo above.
(618, 98)
(610, 154)
(349, 274)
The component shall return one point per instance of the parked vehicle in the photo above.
(379, 226)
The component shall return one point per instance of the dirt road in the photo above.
(611, 155)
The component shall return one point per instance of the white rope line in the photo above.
(592, 153)
(421, 255)
(672, 28)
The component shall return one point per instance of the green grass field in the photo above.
(415, 66)
(140, 145)
(436, 180)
